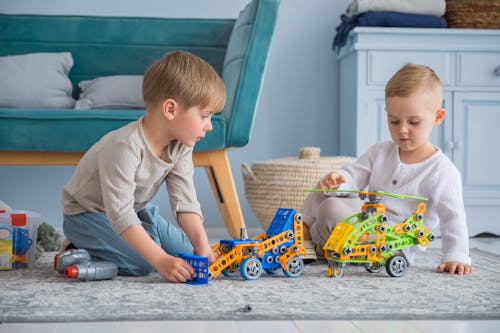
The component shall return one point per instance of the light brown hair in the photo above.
(411, 78)
(187, 79)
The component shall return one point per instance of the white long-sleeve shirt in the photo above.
(120, 175)
(436, 178)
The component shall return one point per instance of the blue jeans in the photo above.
(93, 232)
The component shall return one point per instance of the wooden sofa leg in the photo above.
(218, 169)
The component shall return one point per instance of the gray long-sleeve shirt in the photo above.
(120, 175)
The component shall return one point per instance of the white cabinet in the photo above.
(468, 64)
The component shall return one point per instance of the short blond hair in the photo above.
(410, 78)
(186, 78)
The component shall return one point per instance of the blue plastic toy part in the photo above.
(283, 220)
(21, 241)
(200, 266)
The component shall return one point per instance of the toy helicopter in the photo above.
(366, 238)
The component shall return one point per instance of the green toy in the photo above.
(366, 239)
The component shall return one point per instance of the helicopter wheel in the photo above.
(334, 271)
(374, 268)
(396, 266)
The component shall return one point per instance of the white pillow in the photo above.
(111, 92)
(36, 80)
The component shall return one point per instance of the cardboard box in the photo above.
(18, 232)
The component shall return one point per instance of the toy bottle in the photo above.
(92, 271)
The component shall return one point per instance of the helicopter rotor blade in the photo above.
(401, 196)
(331, 190)
(381, 193)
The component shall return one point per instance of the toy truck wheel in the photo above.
(251, 269)
(295, 267)
(228, 272)
(396, 266)
(272, 271)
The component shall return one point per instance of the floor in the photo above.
(491, 244)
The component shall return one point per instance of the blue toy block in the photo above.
(283, 220)
(200, 266)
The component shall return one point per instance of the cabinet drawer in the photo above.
(383, 64)
(479, 69)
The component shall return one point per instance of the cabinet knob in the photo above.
(497, 71)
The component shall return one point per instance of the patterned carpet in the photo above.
(40, 294)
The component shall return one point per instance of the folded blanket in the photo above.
(384, 19)
(422, 7)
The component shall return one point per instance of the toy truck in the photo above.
(280, 248)
(367, 239)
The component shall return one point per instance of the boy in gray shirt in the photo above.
(107, 208)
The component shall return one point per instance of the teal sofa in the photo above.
(101, 46)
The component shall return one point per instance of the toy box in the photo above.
(18, 231)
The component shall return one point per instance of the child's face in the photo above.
(411, 119)
(193, 124)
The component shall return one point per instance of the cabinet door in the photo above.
(476, 153)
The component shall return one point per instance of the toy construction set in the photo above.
(18, 231)
(363, 239)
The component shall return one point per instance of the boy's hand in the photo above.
(175, 269)
(455, 268)
(205, 252)
(331, 181)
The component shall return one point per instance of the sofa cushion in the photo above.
(36, 80)
(111, 92)
(77, 130)
(244, 66)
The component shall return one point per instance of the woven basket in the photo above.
(476, 14)
(280, 183)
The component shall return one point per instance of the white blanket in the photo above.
(423, 7)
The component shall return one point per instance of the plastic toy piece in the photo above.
(70, 257)
(367, 239)
(200, 266)
(77, 264)
(92, 271)
(281, 247)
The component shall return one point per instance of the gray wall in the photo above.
(298, 105)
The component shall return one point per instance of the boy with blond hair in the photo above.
(409, 164)
(107, 208)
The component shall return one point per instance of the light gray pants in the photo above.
(321, 213)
